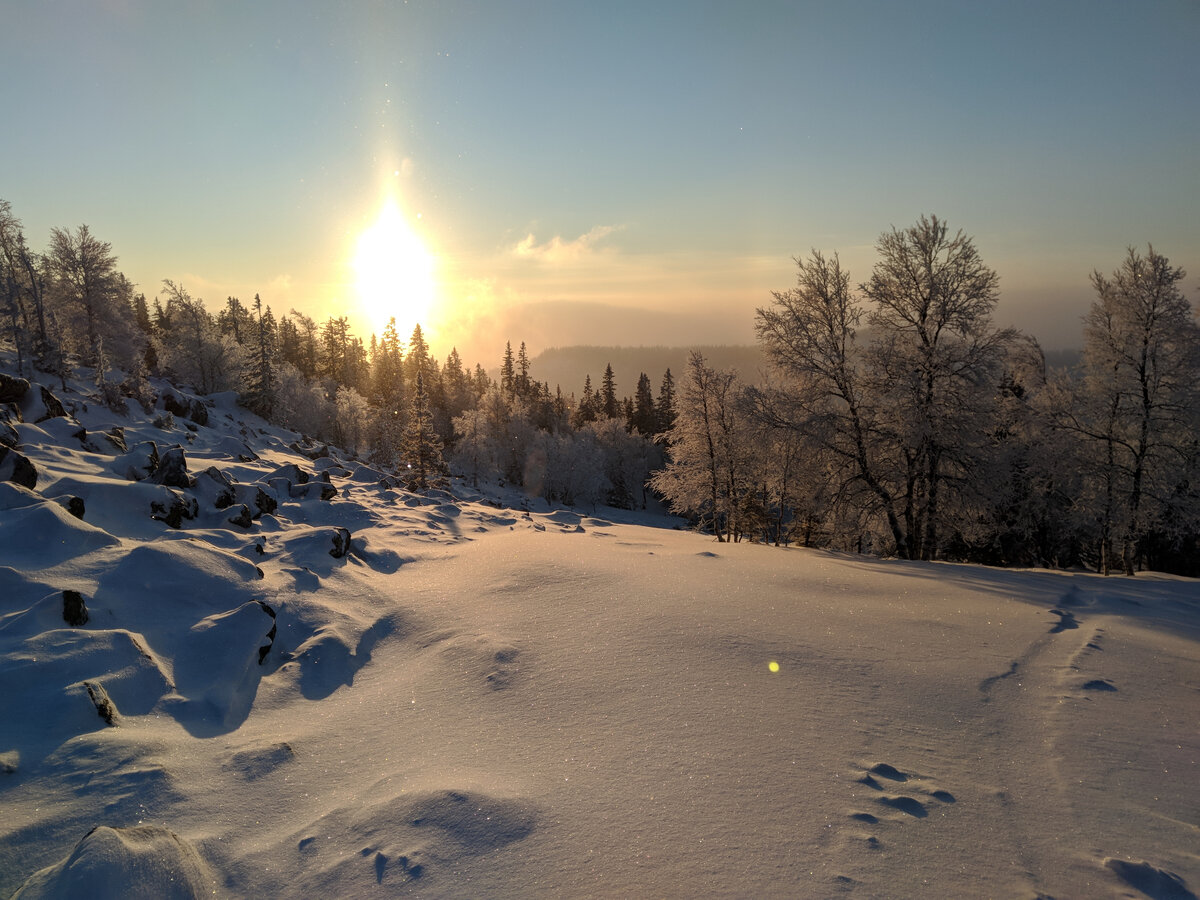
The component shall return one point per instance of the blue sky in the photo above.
(612, 173)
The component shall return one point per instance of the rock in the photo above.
(176, 510)
(198, 412)
(172, 469)
(292, 472)
(75, 611)
(175, 405)
(17, 468)
(116, 437)
(73, 505)
(165, 422)
(264, 502)
(139, 463)
(40, 405)
(12, 390)
(106, 709)
(10, 417)
(242, 518)
(341, 543)
(216, 487)
(266, 648)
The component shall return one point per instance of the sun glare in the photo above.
(394, 273)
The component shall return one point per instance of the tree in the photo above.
(810, 337)
(1135, 409)
(522, 384)
(194, 347)
(608, 394)
(262, 371)
(86, 281)
(508, 376)
(643, 418)
(936, 361)
(705, 474)
(422, 448)
(664, 407)
(236, 320)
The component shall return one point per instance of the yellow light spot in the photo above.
(773, 666)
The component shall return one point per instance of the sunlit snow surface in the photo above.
(481, 700)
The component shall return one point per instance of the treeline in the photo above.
(387, 401)
(894, 418)
(898, 420)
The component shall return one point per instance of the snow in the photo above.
(490, 697)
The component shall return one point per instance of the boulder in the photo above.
(139, 463)
(105, 708)
(172, 469)
(12, 390)
(292, 472)
(174, 511)
(40, 405)
(242, 517)
(175, 404)
(17, 468)
(75, 612)
(341, 543)
(10, 417)
(215, 488)
(73, 505)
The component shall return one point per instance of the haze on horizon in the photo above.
(607, 175)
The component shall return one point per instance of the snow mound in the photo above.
(37, 534)
(145, 861)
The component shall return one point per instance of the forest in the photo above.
(894, 417)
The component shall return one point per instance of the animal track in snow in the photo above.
(904, 803)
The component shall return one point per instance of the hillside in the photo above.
(283, 675)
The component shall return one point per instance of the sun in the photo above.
(394, 273)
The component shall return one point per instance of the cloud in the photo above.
(556, 250)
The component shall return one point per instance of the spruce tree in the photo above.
(421, 447)
(608, 394)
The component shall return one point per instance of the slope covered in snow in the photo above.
(296, 679)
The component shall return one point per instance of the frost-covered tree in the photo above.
(90, 292)
(706, 472)
(194, 347)
(421, 448)
(936, 361)
(262, 378)
(1134, 413)
(810, 336)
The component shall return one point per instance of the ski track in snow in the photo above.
(369, 692)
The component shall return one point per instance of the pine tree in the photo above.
(508, 377)
(586, 410)
(421, 447)
(523, 387)
(608, 394)
(642, 418)
(264, 378)
(664, 409)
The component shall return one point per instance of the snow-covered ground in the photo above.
(479, 700)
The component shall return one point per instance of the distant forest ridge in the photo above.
(568, 367)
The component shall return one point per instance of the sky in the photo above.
(618, 173)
